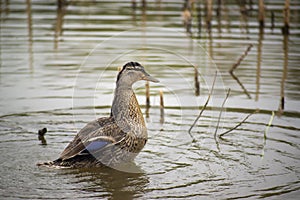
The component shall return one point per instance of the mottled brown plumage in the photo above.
(111, 140)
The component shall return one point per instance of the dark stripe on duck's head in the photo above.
(131, 66)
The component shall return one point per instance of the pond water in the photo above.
(58, 70)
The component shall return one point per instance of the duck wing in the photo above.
(94, 136)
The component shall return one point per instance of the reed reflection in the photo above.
(29, 25)
(133, 9)
(60, 13)
(284, 73)
(199, 19)
(5, 7)
(209, 8)
(244, 17)
(144, 13)
(258, 67)
(219, 17)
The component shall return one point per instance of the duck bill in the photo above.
(148, 77)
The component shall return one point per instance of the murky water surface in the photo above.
(58, 70)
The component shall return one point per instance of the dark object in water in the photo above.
(41, 134)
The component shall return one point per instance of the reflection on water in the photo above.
(258, 71)
(29, 23)
(46, 80)
(61, 10)
(108, 182)
(284, 73)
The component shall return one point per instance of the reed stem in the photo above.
(197, 83)
(234, 66)
(234, 128)
(261, 13)
(209, 6)
(220, 114)
(162, 107)
(203, 108)
(242, 57)
(147, 94)
(286, 18)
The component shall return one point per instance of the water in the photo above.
(48, 80)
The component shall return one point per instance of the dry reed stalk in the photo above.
(147, 94)
(209, 7)
(197, 83)
(162, 107)
(242, 57)
(203, 108)
(234, 128)
(261, 13)
(286, 17)
(234, 66)
(220, 114)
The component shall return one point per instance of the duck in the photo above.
(113, 140)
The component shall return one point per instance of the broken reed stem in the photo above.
(226, 132)
(197, 84)
(234, 66)
(203, 108)
(220, 114)
(240, 83)
(261, 13)
(161, 95)
(209, 4)
(286, 13)
(162, 107)
(147, 94)
(241, 58)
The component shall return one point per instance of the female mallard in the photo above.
(111, 140)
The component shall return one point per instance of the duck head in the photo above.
(133, 72)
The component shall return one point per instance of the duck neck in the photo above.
(126, 110)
